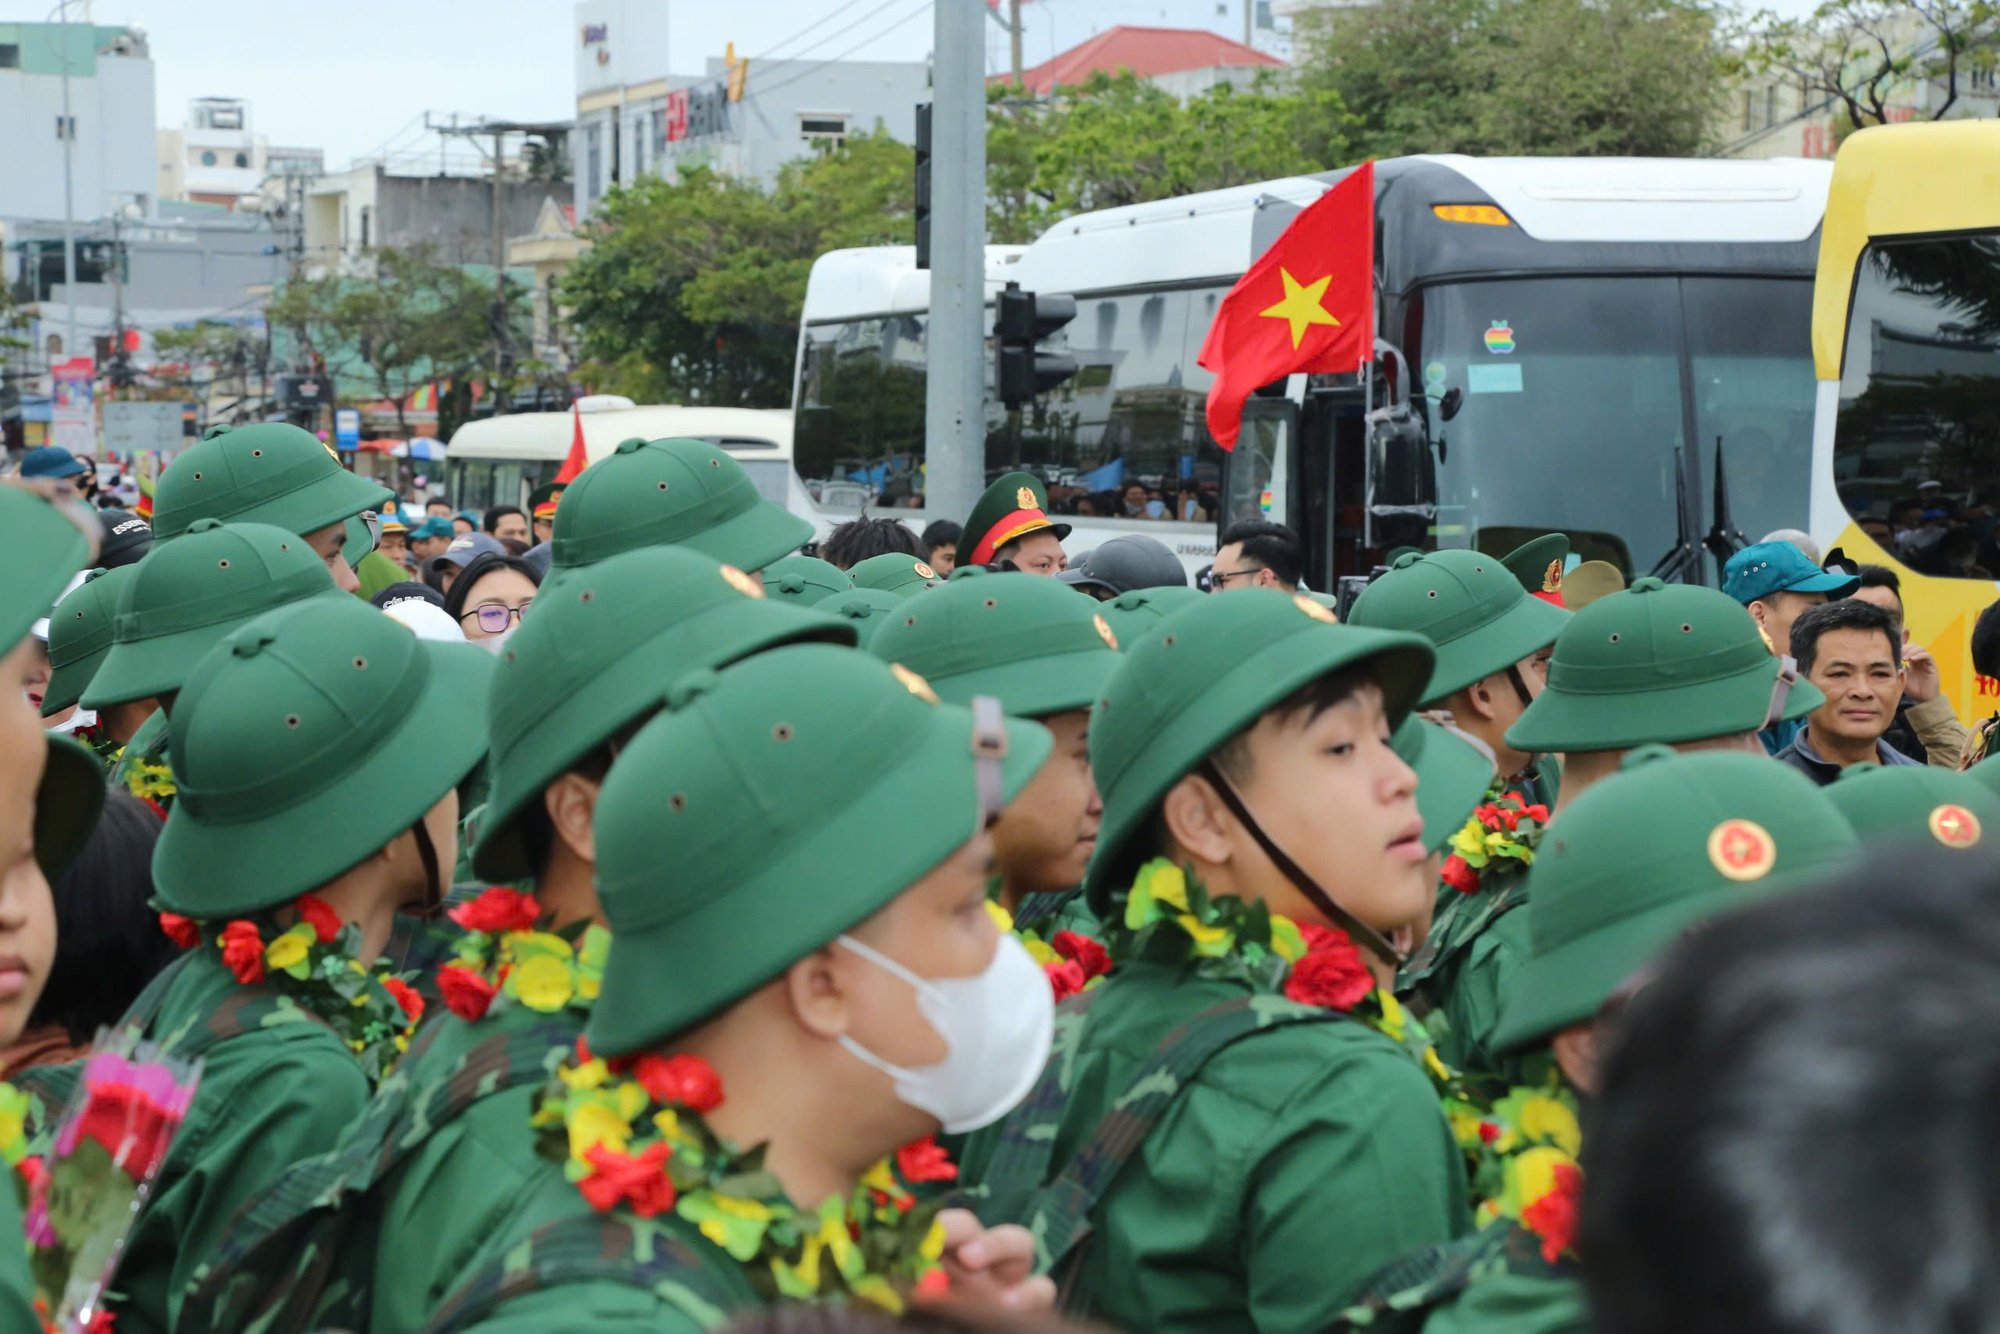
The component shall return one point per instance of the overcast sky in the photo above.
(352, 76)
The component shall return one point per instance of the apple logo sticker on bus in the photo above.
(1500, 338)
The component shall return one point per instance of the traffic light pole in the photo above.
(954, 413)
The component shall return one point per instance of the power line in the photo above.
(834, 13)
(844, 28)
(817, 66)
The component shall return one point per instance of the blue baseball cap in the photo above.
(50, 461)
(1764, 568)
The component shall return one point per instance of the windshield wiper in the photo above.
(1684, 556)
(1723, 540)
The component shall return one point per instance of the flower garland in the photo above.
(1500, 833)
(312, 962)
(102, 744)
(1170, 919)
(1524, 1154)
(503, 956)
(1073, 961)
(632, 1132)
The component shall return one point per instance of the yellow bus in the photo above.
(1906, 350)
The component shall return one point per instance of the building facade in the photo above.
(348, 213)
(108, 132)
(216, 157)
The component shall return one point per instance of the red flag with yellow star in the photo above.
(1307, 305)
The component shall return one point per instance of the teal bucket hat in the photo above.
(80, 633)
(45, 548)
(1034, 644)
(1132, 614)
(187, 595)
(285, 755)
(1204, 674)
(672, 492)
(67, 803)
(861, 783)
(604, 643)
(1916, 804)
(804, 580)
(895, 572)
(1469, 605)
(269, 472)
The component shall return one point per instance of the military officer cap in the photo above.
(804, 580)
(45, 547)
(269, 472)
(1131, 613)
(1010, 509)
(1202, 675)
(542, 501)
(598, 654)
(185, 596)
(866, 609)
(285, 755)
(1538, 564)
(80, 633)
(862, 783)
(1665, 842)
(1035, 645)
(649, 493)
(1915, 804)
(895, 572)
(1469, 605)
(1658, 662)
(1453, 775)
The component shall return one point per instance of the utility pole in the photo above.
(1014, 38)
(954, 406)
(68, 129)
(1249, 22)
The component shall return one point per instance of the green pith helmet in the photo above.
(1643, 855)
(866, 609)
(895, 572)
(1204, 674)
(1132, 614)
(284, 753)
(80, 631)
(649, 493)
(1032, 643)
(269, 472)
(598, 654)
(67, 804)
(1471, 608)
(1011, 508)
(1453, 774)
(1987, 773)
(44, 548)
(1916, 804)
(1658, 662)
(1538, 565)
(859, 783)
(804, 580)
(187, 595)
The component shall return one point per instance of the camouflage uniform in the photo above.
(1492, 1282)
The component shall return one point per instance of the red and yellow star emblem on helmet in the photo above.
(1742, 850)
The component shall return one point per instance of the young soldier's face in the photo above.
(1039, 553)
(328, 544)
(1044, 839)
(27, 911)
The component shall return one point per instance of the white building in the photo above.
(216, 157)
(109, 129)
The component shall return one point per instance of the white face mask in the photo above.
(494, 643)
(997, 1027)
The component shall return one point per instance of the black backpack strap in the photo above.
(1027, 1137)
(1400, 1297)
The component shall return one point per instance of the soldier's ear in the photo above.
(815, 988)
(1196, 822)
(571, 801)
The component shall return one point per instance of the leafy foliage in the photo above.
(1864, 56)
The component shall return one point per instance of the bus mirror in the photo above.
(1402, 480)
(1453, 400)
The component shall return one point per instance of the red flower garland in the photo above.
(924, 1160)
(497, 911)
(316, 913)
(181, 930)
(1553, 1217)
(1082, 960)
(640, 1181)
(466, 993)
(406, 996)
(687, 1081)
(243, 951)
(1332, 975)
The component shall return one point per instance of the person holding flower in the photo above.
(1645, 856)
(1242, 1124)
(297, 836)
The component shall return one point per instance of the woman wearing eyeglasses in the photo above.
(490, 597)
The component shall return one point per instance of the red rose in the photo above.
(496, 910)
(641, 1182)
(181, 930)
(1553, 1217)
(1065, 978)
(101, 1323)
(1488, 1132)
(316, 913)
(1538, 812)
(243, 951)
(1458, 873)
(466, 993)
(923, 1160)
(935, 1285)
(1332, 975)
(680, 1081)
(121, 1118)
(1092, 957)
(406, 996)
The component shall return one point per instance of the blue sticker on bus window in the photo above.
(1504, 378)
(1500, 337)
(1434, 376)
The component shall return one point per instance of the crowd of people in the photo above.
(623, 911)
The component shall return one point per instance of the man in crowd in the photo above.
(503, 522)
(1853, 652)
(429, 539)
(1255, 554)
(940, 545)
(1123, 563)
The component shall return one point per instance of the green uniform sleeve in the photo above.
(596, 1305)
(1356, 1170)
(1508, 1303)
(1481, 988)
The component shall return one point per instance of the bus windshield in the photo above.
(1556, 405)
(1920, 402)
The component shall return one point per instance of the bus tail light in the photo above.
(1484, 214)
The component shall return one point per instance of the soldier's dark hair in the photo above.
(1794, 1129)
(108, 940)
(537, 831)
(1272, 545)
(1844, 614)
(1986, 642)
(1311, 699)
(858, 539)
(496, 514)
(940, 533)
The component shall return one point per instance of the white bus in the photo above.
(1562, 342)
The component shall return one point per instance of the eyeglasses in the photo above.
(494, 620)
(1218, 578)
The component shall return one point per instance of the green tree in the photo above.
(1543, 77)
(1865, 56)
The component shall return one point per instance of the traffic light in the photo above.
(923, 185)
(1022, 320)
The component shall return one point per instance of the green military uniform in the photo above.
(281, 752)
(804, 580)
(1482, 620)
(1008, 510)
(1644, 855)
(672, 492)
(428, 1176)
(1131, 614)
(1916, 806)
(80, 632)
(761, 736)
(377, 572)
(269, 472)
(895, 572)
(1269, 1154)
(1029, 642)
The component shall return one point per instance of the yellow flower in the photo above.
(1041, 951)
(533, 944)
(1531, 1174)
(593, 1124)
(1393, 1018)
(1470, 843)
(287, 951)
(877, 1291)
(1167, 883)
(589, 1075)
(1437, 1068)
(542, 983)
(1464, 1127)
(1547, 1121)
(717, 1229)
(1287, 941)
(933, 1247)
(879, 1177)
(1001, 917)
(588, 985)
(668, 1122)
(1214, 941)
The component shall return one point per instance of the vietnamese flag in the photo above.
(1307, 304)
(577, 460)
